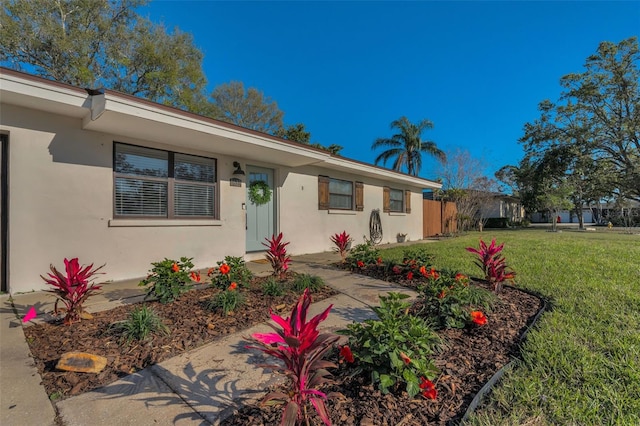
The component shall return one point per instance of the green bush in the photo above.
(141, 324)
(226, 301)
(448, 300)
(168, 279)
(365, 253)
(497, 222)
(304, 281)
(272, 287)
(418, 256)
(394, 348)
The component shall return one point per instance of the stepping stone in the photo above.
(82, 362)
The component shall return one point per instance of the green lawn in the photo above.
(581, 366)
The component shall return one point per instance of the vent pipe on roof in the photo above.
(98, 102)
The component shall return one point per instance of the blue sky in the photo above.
(347, 69)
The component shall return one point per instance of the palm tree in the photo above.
(407, 147)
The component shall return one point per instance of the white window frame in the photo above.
(171, 184)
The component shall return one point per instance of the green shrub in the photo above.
(168, 279)
(226, 301)
(141, 324)
(448, 300)
(272, 287)
(230, 270)
(394, 348)
(365, 253)
(304, 281)
(497, 222)
(418, 256)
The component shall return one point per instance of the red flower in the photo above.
(478, 318)
(433, 274)
(360, 264)
(397, 270)
(224, 269)
(442, 294)
(345, 352)
(461, 277)
(405, 358)
(232, 286)
(210, 272)
(410, 276)
(428, 389)
(423, 271)
(195, 276)
(175, 267)
(379, 260)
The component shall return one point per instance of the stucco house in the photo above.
(111, 178)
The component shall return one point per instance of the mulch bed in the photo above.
(468, 360)
(190, 323)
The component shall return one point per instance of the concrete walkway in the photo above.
(198, 387)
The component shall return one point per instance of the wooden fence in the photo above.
(438, 217)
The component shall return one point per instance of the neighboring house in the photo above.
(111, 178)
(503, 206)
(598, 213)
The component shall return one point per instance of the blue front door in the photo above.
(260, 218)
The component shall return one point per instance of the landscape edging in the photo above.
(477, 399)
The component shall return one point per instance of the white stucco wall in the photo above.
(61, 205)
(309, 229)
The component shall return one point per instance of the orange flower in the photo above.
(423, 271)
(346, 353)
(195, 276)
(210, 272)
(224, 269)
(428, 389)
(442, 294)
(232, 286)
(175, 267)
(433, 274)
(379, 260)
(478, 318)
(405, 358)
(461, 277)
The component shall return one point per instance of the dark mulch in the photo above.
(190, 323)
(468, 361)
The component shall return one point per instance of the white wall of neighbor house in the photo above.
(309, 229)
(61, 205)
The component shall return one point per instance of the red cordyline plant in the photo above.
(73, 289)
(342, 242)
(277, 254)
(300, 346)
(492, 263)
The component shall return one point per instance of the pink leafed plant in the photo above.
(342, 242)
(492, 263)
(73, 288)
(277, 254)
(300, 346)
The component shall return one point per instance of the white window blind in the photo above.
(147, 182)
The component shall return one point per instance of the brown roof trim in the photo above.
(192, 115)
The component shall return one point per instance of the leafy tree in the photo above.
(246, 108)
(94, 43)
(295, 132)
(298, 133)
(608, 95)
(407, 146)
(464, 184)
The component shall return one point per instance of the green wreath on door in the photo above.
(259, 192)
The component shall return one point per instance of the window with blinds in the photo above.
(396, 200)
(163, 184)
(340, 194)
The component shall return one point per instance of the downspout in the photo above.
(98, 102)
